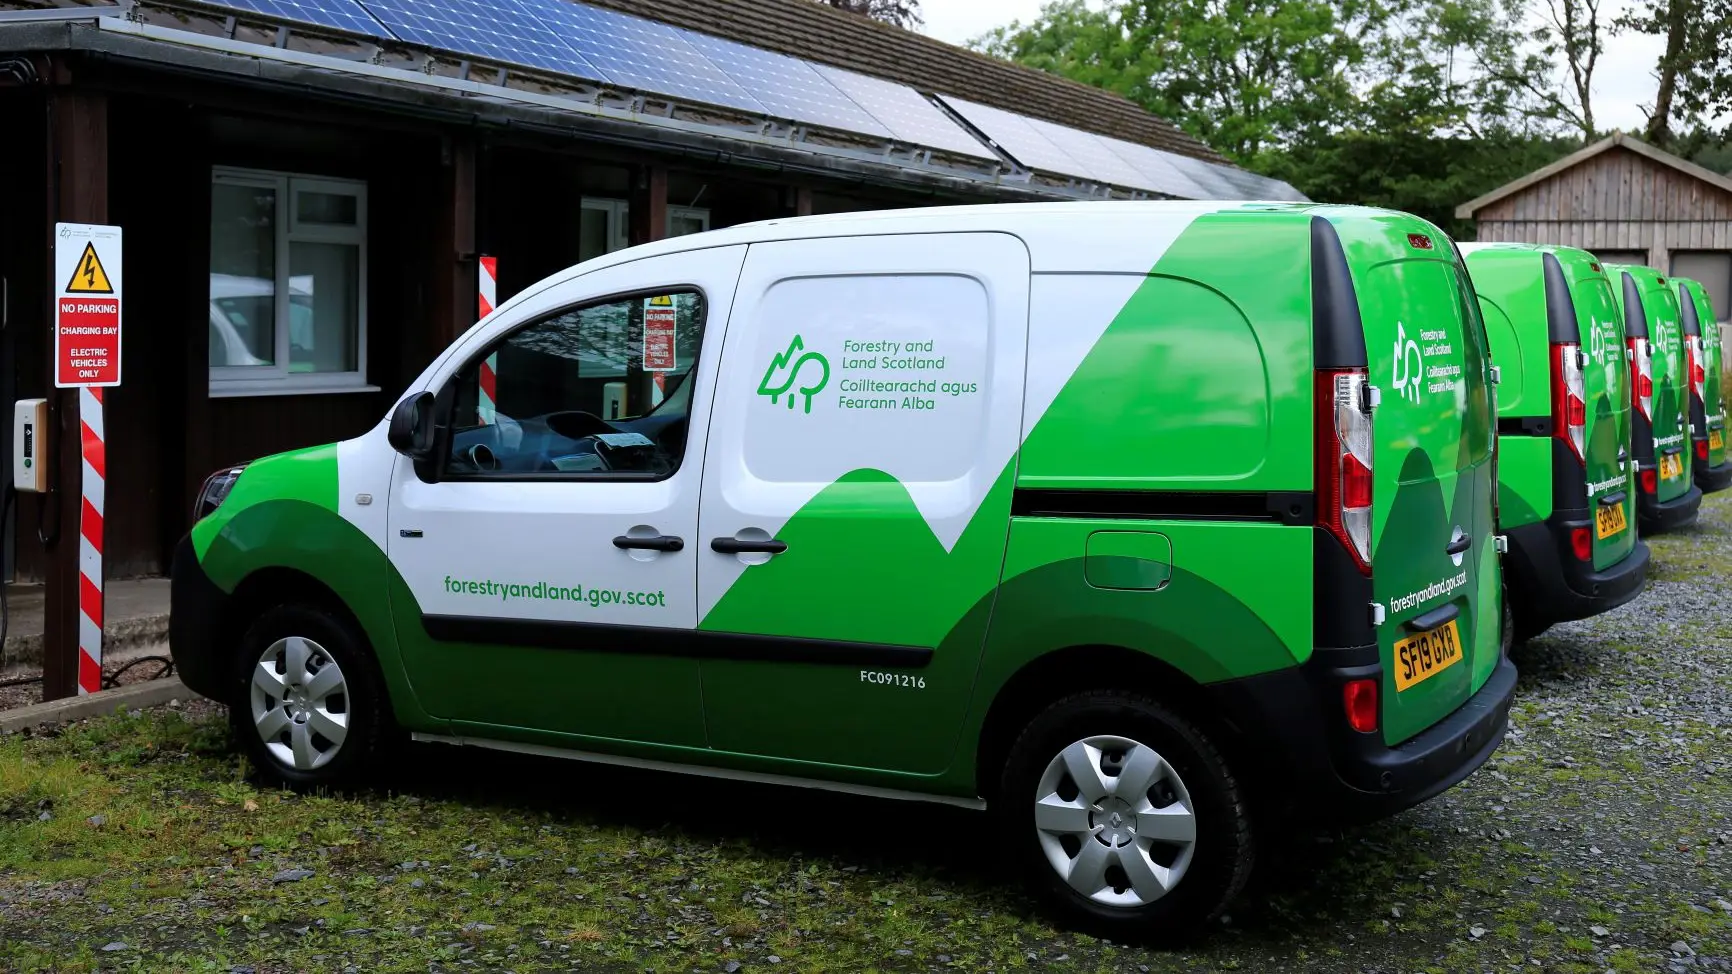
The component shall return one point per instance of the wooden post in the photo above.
(78, 171)
(455, 267)
(649, 204)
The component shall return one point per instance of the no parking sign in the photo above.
(87, 274)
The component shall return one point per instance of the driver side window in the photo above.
(596, 392)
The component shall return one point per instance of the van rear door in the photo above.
(1671, 392)
(1432, 526)
(1605, 381)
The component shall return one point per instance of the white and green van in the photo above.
(1146, 525)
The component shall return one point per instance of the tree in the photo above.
(1695, 70)
(1574, 30)
(902, 13)
(1242, 75)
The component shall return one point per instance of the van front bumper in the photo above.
(196, 609)
(1712, 480)
(1292, 726)
(1656, 516)
(1554, 586)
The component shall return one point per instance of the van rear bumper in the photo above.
(1678, 512)
(1551, 582)
(1712, 480)
(1293, 726)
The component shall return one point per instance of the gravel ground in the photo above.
(1598, 839)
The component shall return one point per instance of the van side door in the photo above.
(857, 494)
(549, 558)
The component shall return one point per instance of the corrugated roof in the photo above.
(819, 32)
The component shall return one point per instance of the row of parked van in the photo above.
(1610, 417)
(1150, 528)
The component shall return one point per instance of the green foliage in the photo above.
(1695, 70)
(1413, 104)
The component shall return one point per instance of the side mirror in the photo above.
(411, 432)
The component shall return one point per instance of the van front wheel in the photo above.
(307, 707)
(1124, 817)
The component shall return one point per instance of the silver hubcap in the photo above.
(300, 703)
(1115, 821)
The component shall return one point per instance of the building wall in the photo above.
(1616, 201)
(166, 431)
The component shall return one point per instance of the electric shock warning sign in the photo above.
(660, 326)
(87, 301)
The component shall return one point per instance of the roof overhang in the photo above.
(487, 106)
(1471, 208)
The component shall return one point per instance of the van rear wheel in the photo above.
(1124, 817)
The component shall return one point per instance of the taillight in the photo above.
(1650, 481)
(1582, 543)
(1344, 460)
(1569, 395)
(1359, 700)
(1702, 450)
(1642, 377)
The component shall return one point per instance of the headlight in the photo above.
(215, 490)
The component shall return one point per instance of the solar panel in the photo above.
(642, 54)
(906, 113)
(788, 87)
(1092, 153)
(500, 30)
(341, 14)
(1018, 136)
(1159, 172)
(1211, 178)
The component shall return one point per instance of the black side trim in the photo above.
(1560, 305)
(1298, 508)
(1524, 426)
(1337, 334)
(644, 640)
(1635, 314)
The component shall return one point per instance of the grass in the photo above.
(157, 838)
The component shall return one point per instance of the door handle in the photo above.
(734, 546)
(1458, 546)
(661, 542)
(1613, 500)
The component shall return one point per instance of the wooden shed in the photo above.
(1627, 202)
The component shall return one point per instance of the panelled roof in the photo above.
(819, 32)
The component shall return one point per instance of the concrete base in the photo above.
(153, 693)
(135, 611)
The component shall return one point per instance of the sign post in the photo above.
(660, 327)
(487, 408)
(87, 317)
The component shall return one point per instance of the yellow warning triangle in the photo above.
(661, 301)
(89, 277)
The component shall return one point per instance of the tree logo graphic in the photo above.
(788, 368)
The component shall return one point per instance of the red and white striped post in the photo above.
(489, 299)
(94, 482)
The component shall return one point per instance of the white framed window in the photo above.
(605, 225)
(288, 284)
(687, 219)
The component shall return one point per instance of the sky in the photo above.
(1623, 79)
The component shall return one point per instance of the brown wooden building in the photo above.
(304, 200)
(1626, 202)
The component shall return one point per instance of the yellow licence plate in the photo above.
(1671, 465)
(1716, 439)
(1609, 520)
(1424, 655)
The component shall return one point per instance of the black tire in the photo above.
(364, 702)
(1225, 848)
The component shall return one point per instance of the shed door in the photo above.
(856, 494)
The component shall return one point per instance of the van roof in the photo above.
(1062, 237)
